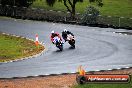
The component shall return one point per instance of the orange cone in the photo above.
(36, 41)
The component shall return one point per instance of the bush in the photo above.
(90, 15)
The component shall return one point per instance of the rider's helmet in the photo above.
(53, 33)
(64, 30)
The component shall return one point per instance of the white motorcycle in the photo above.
(71, 40)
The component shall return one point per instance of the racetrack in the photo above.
(96, 49)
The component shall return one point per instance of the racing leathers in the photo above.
(54, 35)
(64, 35)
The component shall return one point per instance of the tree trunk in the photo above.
(72, 6)
(73, 12)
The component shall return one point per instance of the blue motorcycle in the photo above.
(58, 43)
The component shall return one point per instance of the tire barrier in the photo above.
(81, 79)
(64, 17)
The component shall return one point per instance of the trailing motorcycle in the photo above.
(58, 43)
(71, 40)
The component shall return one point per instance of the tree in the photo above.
(21, 3)
(90, 16)
(71, 4)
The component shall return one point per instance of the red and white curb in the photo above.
(121, 33)
(58, 74)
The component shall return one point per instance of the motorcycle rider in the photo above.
(54, 34)
(65, 33)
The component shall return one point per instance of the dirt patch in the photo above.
(62, 81)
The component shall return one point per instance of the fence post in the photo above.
(108, 22)
(0, 9)
(6, 9)
(99, 20)
(120, 21)
(65, 18)
(14, 8)
(131, 20)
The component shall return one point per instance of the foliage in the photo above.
(71, 4)
(90, 15)
(20, 3)
(50, 2)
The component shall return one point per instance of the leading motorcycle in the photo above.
(71, 40)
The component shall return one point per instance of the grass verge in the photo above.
(111, 7)
(12, 48)
(129, 85)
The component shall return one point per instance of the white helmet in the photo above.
(52, 32)
(65, 30)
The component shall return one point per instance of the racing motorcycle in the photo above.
(58, 43)
(71, 40)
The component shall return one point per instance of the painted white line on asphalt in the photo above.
(46, 74)
(109, 69)
(3, 33)
(36, 75)
(17, 36)
(73, 72)
(127, 67)
(118, 68)
(97, 70)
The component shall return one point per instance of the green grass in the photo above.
(117, 8)
(111, 7)
(104, 86)
(12, 48)
(42, 4)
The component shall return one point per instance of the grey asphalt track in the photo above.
(96, 49)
